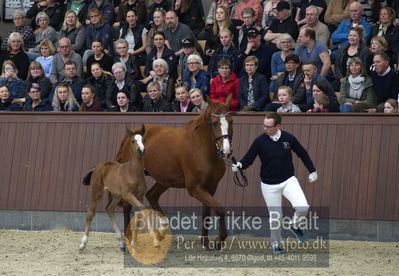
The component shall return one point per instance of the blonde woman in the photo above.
(64, 100)
(74, 30)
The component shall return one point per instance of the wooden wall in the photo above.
(45, 155)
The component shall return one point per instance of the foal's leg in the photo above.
(110, 211)
(96, 195)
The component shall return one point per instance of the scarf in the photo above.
(357, 82)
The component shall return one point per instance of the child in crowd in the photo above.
(284, 95)
(321, 102)
(182, 101)
(391, 106)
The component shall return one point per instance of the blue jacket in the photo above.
(15, 86)
(261, 91)
(340, 35)
(202, 83)
(102, 32)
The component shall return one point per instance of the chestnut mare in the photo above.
(191, 157)
(124, 181)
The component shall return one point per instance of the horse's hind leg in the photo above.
(153, 195)
(110, 211)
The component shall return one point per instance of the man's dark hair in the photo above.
(293, 57)
(70, 62)
(275, 116)
(310, 33)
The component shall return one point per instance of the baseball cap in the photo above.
(188, 43)
(283, 6)
(253, 32)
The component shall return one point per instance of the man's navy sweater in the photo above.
(385, 87)
(276, 157)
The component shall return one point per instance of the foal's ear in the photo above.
(129, 132)
(142, 130)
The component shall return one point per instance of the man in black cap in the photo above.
(282, 24)
(188, 49)
(256, 48)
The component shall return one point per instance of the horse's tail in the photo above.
(87, 178)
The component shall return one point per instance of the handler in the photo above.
(277, 173)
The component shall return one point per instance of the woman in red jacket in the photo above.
(224, 84)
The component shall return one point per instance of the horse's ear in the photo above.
(142, 130)
(229, 99)
(129, 132)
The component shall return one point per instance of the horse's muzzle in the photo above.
(141, 152)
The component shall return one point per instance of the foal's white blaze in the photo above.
(139, 141)
(224, 125)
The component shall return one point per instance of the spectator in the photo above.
(390, 106)
(212, 36)
(253, 4)
(44, 31)
(340, 35)
(158, 25)
(248, 16)
(73, 29)
(355, 48)
(72, 80)
(105, 8)
(139, 8)
(337, 11)
(160, 74)
(6, 100)
(156, 102)
(310, 72)
(225, 84)
(34, 100)
(311, 50)
(130, 61)
(182, 101)
(89, 99)
(321, 102)
(225, 51)
(301, 18)
(99, 56)
(357, 93)
(101, 81)
(256, 48)
(292, 77)
(9, 77)
(160, 50)
(371, 9)
(379, 44)
(36, 75)
(312, 21)
(253, 94)
(177, 32)
(65, 54)
(123, 103)
(230, 5)
(385, 26)
(285, 43)
(323, 87)
(80, 7)
(385, 80)
(156, 5)
(269, 12)
(123, 82)
(16, 54)
(97, 28)
(136, 36)
(198, 100)
(46, 52)
(20, 27)
(190, 13)
(52, 8)
(188, 49)
(282, 24)
(197, 78)
(284, 94)
(63, 100)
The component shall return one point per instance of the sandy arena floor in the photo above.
(56, 253)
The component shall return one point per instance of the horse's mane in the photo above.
(204, 116)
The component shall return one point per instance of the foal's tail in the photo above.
(86, 179)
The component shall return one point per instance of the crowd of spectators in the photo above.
(161, 55)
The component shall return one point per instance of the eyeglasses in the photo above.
(285, 42)
(247, 17)
(268, 127)
(118, 72)
(121, 48)
(34, 91)
(192, 63)
(64, 46)
(94, 16)
(18, 18)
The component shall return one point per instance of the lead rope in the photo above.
(240, 179)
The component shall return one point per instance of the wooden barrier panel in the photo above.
(45, 155)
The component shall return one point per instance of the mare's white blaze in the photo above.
(224, 125)
(139, 141)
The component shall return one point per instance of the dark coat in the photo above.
(130, 87)
(261, 91)
(8, 106)
(45, 87)
(161, 105)
(44, 105)
(299, 91)
(101, 86)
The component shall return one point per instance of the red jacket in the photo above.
(220, 91)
